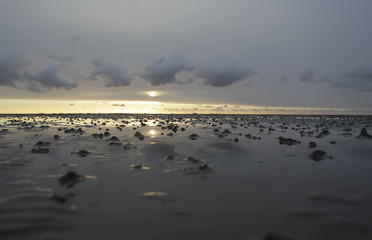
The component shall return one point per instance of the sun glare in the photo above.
(152, 94)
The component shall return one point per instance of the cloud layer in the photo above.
(309, 76)
(358, 79)
(15, 72)
(11, 70)
(47, 79)
(163, 70)
(222, 72)
(111, 72)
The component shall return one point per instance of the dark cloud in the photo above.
(11, 70)
(188, 81)
(163, 70)
(284, 79)
(113, 73)
(359, 79)
(15, 72)
(66, 58)
(223, 72)
(309, 76)
(47, 79)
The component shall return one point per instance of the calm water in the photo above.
(235, 186)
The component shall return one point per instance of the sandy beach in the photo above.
(185, 177)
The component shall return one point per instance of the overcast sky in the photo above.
(287, 53)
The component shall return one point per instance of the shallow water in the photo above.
(235, 187)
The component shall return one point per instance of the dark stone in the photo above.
(96, 135)
(41, 143)
(106, 134)
(115, 144)
(139, 136)
(70, 179)
(193, 160)
(169, 157)
(174, 129)
(364, 133)
(40, 150)
(312, 144)
(193, 136)
(81, 153)
(61, 199)
(73, 130)
(129, 146)
(288, 141)
(138, 166)
(204, 167)
(56, 137)
(4, 130)
(114, 138)
(318, 155)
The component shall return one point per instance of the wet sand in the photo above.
(185, 177)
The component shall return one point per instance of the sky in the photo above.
(237, 56)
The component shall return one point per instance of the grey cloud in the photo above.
(66, 58)
(14, 72)
(284, 79)
(47, 79)
(163, 70)
(359, 79)
(309, 76)
(223, 72)
(112, 72)
(188, 81)
(11, 70)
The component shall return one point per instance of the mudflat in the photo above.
(139, 176)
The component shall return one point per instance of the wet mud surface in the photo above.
(185, 177)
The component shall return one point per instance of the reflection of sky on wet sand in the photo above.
(216, 186)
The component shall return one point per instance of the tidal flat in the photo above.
(154, 176)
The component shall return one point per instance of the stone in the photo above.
(193, 136)
(70, 179)
(288, 141)
(40, 150)
(41, 143)
(312, 144)
(318, 155)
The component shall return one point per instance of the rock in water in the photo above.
(318, 155)
(40, 150)
(312, 145)
(81, 153)
(70, 179)
(193, 136)
(288, 141)
(364, 133)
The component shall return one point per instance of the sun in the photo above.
(152, 94)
